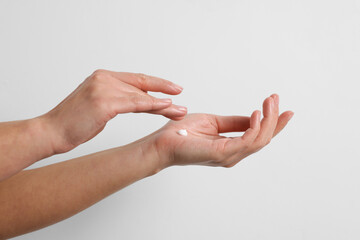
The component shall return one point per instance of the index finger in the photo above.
(148, 83)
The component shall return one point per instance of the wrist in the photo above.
(50, 132)
(54, 134)
(40, 135)
(152, 157)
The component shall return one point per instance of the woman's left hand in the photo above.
(204, 146)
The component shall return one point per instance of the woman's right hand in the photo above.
(103, 95)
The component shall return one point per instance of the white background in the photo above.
(228, 56)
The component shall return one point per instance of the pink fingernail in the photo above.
(272, 103)
(277, 99)
(181, 109)
(166, 100)
(291, 115)
(177, 87)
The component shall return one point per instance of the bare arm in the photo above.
(82, 115)
(37, 198)
(21, 144)
(34, 199)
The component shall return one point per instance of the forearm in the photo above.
(22, 143)
(37, 198)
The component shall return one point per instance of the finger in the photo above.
(269, 122)
(173, 112)
(284, 118)
(148, 83)
(236, 144)
(141, 103)
(245, 144)
(251, 133)
(232, 123)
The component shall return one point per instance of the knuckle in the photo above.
(142, 79)
(152, 102)
(138, 102)
(99, 75)
(99, 71)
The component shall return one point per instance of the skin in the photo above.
(33, 199)
(204, 146)
(82, 115)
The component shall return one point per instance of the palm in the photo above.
(200, 145)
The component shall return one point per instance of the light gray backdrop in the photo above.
(229, 56)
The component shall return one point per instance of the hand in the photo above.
(103, 95)
(204, 146)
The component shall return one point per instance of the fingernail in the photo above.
(277, 99)
(271, 103)
(259, 115)
(182, 109)
(291, 115)
(177, 87)
(166, 100)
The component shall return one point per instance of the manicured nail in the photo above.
(181, 109)
(272, 103)
(259, 116)
(177, 87)
(291, 115)
(166, 100)
(277, 99)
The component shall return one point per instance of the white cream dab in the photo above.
(182, 132)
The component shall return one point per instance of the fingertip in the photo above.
(258, 116)
(275, 96)
(267, 101)
(181, 109)
(177, 88)
(291, 115)
(255, 119)
(267, 106)
(175, 112)
(284, 118)
(166, 100)
(287, 114)
(177, 118)
(255, 115)
(178, 115)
